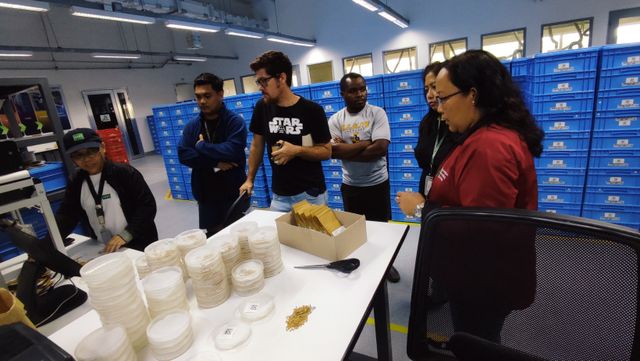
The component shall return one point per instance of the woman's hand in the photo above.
(407, 201)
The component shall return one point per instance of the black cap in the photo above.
(81, 138)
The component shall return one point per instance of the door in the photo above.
(111, 108)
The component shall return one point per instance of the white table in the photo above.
(342, 305)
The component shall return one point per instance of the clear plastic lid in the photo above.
(242, 230)
(248, 271)
(231, 334)
(161, 249)
(103, 343)
(169, 328)
(191, 239)
(264, 235)
(162, 278)
(104, 268)
(202, 257)
(257, 307)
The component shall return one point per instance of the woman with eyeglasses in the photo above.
(434, 144)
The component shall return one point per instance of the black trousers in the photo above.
(373, 202)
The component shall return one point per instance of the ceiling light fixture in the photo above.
(111, 15)
(28, 5)
(115, 56)
(243, 33)
(190, 58)
(290, 41)
(15, 53)
(191, 26)
(401, 23)
(366, 4)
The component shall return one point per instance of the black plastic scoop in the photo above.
(345, 266)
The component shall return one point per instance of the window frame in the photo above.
(384, 63)
(322, 62)
(614, 22)
(568, 22)
(466, 44)
(344, 69)
(244, 91)
(234, 85)
(524, 36)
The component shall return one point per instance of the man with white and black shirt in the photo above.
(295, 131)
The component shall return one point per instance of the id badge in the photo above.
(428, 181)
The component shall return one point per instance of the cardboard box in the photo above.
(322, 245)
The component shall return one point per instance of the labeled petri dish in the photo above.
(256, 307)
(231, 335)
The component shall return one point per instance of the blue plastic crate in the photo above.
(559, 103)
(565, 195)
(172, 169)
(260, 201)
(325, 90)
(522, 67)
(377, 100)
(177, 135)
(404, 174)
(162, 123)
(561, 177)
(404, 99)
(507, 65)
(179, 122)
(560, 208)
(621, 99)
(613, 178)
(617, 120)
(566, 141)
(333, 184)
(303, 91)
(562, 160)
(411, 80)
(612, 196)
(566, 61)
(620, 56)
(171, 160)
(613, 214)
(407, 114)
(404, 186)
(191, 108)
(333, 174)
(626, 78)
(565, 83)
(168, 142)
(178, 194)
(398, 216)
(405, 129)
(165, 133)
(331, 105)
(241, 101)
(52, 175)
(246, 115)
(616, 140)
(564, 122)
(178, 186)
(161, 111)
(186, 173)
(375, 85)
(404, 145)
(328, 169)
(614, 159)
(336, 207)
(403, 160)
(334, 198)
(177, 110)
(332, 163)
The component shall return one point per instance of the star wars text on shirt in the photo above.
(279, 125)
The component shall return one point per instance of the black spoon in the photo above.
(345, 266)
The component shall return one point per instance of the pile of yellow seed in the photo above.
(299, 317)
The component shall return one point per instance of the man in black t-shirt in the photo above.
(296, 133)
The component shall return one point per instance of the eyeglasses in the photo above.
(443, 100)
(262, 82)
(83, 155)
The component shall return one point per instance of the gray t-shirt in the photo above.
(371, 123)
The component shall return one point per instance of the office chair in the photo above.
(552, 286)
(235, 212)
(467, 347)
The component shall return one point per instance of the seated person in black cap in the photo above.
(112, 197)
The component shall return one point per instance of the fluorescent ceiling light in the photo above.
(283, 40)
(365, 4)
(111, 15)
(15, 53)
(189, 58)
(243, 33)
(183, 25)
(115, 56)
(29, 5)
(393, 19)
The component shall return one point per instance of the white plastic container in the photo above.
(256, 307)
(231, 335)
(191, 239)
(265, 246)
(108, 343)
(165, 291)
(242, 231)
(170, 335)
(208, 276)
(248, 277)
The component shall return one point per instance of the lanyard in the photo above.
(436, 146)
(97, 197)
(209, 136)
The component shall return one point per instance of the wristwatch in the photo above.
(418, 210)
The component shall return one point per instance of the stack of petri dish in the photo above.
(170, 335)
(229, 250)
(108, 343)
(165, 291)
(189, 240)
(248, 277)
(164, 253)
(231, 335)
(208, 276)
(266, 247)
(142, 266)
(242, 231)
(113, 293)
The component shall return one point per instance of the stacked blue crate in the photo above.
(613, 180)
(522, 74)
(405, 106)
(563, 89)
(154, 135)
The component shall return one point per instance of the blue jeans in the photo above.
(284, 203)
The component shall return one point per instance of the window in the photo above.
(361, 64)
(249, 84)
(396, 61)
(505, 45)
(229, 87)
(295, 76)
(624, 26)
(446, 49)
(321, 72)
(575, 34)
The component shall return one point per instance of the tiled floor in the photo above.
(174, 217)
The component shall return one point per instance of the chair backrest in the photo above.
(235, 212)
(468, 347)
(553, 286)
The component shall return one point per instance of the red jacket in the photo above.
(492, 168)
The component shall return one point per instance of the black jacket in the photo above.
(136, 199)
